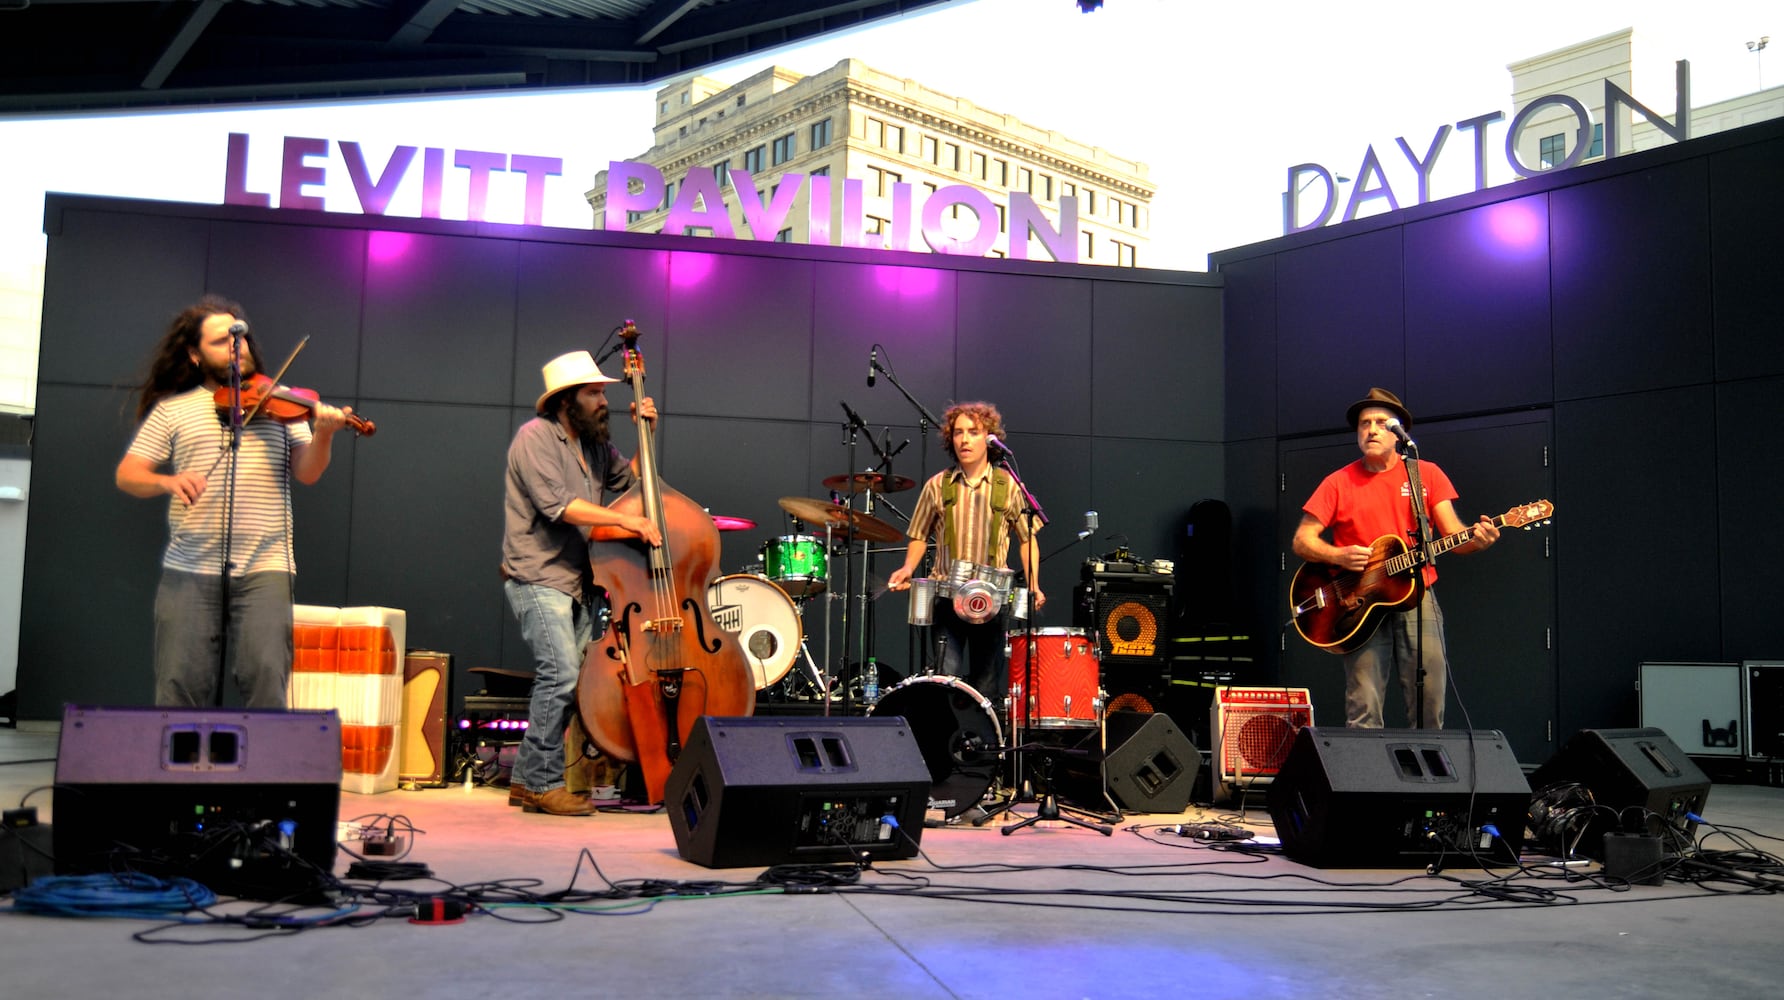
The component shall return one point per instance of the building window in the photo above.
(818, 172)
(931, 150)
(875, 132)
(1046, 187)
(1124, 254)
(1553, 149)
(740, 100)
(1067, 189)
(668, 194)
(1597, 141)
(820, 134)
(721, 172)
(895, 138)
(1089, 202)
(684, 132)
(952, 159)
(1088, 241)
(1000, 170)
(978, 165)
(684, 97)
(1003, 225)
(877, 225)
(1025, 179)
(633, 218)
(783, 149)
(754, 159)
(883, 181)
(663, 108)
(784, 236)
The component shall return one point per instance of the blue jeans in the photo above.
(556, 628)
(1396, 642)
(189, 638)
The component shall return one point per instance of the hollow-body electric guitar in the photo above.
(1339, 609)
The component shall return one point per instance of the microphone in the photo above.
(992, 440)
(1090, 525)
(238, 329)
(1399, 431)
(854, 418)
(873, 363)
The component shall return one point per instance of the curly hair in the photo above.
(171, 370)
(990, 421)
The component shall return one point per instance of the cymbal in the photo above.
(727, 523)
(847, 523)
(869, 482)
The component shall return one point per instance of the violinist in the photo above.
(182, 450)
(559, 465)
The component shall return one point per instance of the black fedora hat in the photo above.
(1382, 398)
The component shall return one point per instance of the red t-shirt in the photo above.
(1361, 506)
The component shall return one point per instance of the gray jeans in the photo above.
(1395, 644)
(189, 638)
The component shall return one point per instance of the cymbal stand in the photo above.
(1049, 807)
(925, 420)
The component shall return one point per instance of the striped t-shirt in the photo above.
(972, 522)
(185, 433)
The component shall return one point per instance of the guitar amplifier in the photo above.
(427, 690)
(1129, 613)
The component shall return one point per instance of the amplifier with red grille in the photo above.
(1252, 730)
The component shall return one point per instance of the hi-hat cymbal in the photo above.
(847, 523)
(728, 523)
(869, 482)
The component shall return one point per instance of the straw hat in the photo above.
(1382, 398)
(566, 370)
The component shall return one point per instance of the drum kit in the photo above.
(1053, 699)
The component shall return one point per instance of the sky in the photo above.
(1218, 100)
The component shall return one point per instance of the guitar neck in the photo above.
(1412, 558)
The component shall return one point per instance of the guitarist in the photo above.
(1359, 503)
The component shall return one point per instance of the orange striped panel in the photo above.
(367, 649)
(367, 749)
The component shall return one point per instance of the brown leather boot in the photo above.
(560, 801)
(518, 794)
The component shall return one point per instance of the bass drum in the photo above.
(957, 734)
(764, 620)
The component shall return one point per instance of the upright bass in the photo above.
(663, 662)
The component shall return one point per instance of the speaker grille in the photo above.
(1254, 729)
(1130, 616)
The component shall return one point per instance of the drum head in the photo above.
(956, 733)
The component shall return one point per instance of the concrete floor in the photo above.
(1051, 911)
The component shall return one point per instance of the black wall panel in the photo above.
(571, 297)
(1625, 590)
(1746, 202)
(104, 291)
(1025, 344)
(1750, 481)
(1129, 370)
(1631, 279)
(286, 298)
(739, 337)
(1477, 307)
(1340, 324)
(439, 311)
(1249, 333)
(910, 312)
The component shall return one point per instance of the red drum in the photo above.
(1064, 682)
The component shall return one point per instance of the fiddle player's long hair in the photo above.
(171, 370)
(990, 421)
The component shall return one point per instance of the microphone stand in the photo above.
(1409, 450)
(925, 420)
(236, 421)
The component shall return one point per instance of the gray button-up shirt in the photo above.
(547, 470)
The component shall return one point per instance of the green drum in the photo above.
(797, 563)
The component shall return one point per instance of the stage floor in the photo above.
(1050, 911)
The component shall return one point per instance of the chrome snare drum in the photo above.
(797, 562)
(1062, 674)
(922, 610)
(764, 620)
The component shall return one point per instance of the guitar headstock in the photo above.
(1529, 515)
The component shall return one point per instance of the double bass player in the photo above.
(561, 464)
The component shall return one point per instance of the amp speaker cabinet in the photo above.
(1146, 765)
(1130, 615)
(1639, 774)
(243, 801)
(427, 690)
(776, 790)
(1399, 798)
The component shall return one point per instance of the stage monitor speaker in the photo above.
(772, 790)
(1639, 781)
(1130, 615)
(1399, 798)
(1144, 765)
(427, 690)
(242, 801)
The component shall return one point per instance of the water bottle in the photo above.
(870, 683)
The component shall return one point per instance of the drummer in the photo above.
(971, 510)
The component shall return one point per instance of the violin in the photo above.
(261, 396)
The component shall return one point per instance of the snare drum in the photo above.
(796, 562)
(1064, 680)
(764, 620)
(957, 734)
